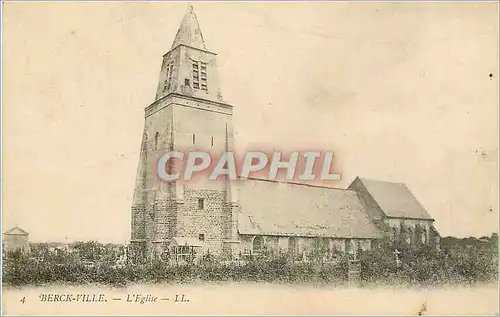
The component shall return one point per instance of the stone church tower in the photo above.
(188, 114)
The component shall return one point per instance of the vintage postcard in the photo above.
(250, 158)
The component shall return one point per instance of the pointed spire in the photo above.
(189, 32)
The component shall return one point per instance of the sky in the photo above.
(399, 91)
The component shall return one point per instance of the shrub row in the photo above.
(423, 268)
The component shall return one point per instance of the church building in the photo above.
(231, 219)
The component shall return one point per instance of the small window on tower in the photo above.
(186, 82)
(201, 237)
(168, 76)
(201, 203)
(171, 72)
(194, 138)
(212, 141)
(156, 141)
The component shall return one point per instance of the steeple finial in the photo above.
(189, 32)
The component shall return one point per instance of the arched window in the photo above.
(156, 140)
(423, 236)
(325, 244)
(409, 236)
(394, 234)
(293, 246)
(349, 247)
(360, 247)
(318, 243)
(257, 244)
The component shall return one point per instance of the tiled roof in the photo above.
(290, 209)
(395, 199)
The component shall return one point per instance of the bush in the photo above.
(422, 267)
(426, 267)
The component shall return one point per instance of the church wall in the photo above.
(192, 222)
(365, 244)
(271, 242)
(157, 122)
(305, 244)
(147, 182)
(283, 244)
(394, 222)
(205, 124)
(138, 230)
(165, 209)
(246, 243)
(201, 130)
(338, 244)
(138, 204)
(412, 223)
